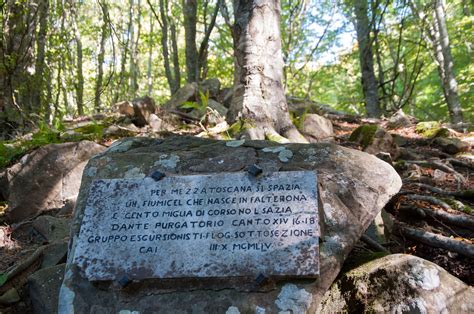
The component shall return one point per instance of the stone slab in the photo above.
(219, 225)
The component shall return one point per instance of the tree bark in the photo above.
(162, 18)
(134, 40)
(100, 58)
(450, 85)
(43, 8)
(366, 59)
(259, 100)
(16, 58)
(150, 56)
(123, 59)
(175, 56)
(190, 21)
(204, 47)
(79, 73)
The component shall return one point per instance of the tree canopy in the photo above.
(64, 58)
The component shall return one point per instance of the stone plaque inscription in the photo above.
(220, 225)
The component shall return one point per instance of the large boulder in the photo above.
(138, 110)
(186, 93)
(353, 187)
(317, 128)
(47, 178)
(374, 140)
(398, 284)
(211, 86)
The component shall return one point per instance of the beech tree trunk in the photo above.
(259, 100)
(16, 58)
(204, 47)
(172, 75)
(366, 59)
(79, 73)
(190, 20)
(445, 60)
(100, 58)
(150, 57)
(43, 8)
(134, 41)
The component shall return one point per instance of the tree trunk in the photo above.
(43, 8)
(366, 59)
(175, 55)
(173, 80)
(100, 58)
(150, 57)
(259, 100)
(79, 73)
(204, 47)
(123, 59)
(134, 51)
(190, 20)
(443, 48)
(16, 57)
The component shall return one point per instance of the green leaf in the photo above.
(190, 105)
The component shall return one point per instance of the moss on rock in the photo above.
(428, 129)
(364, 134)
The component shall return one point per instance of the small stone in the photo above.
(124, 281)
(261, 280)
(157, 175)
(254, 170)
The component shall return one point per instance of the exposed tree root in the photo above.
(430, 199)
(373, 244)
(461, 163)
(468, 194)
(460, 220)
(439, 241)
(437, 165)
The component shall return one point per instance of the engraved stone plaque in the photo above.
(219, 225)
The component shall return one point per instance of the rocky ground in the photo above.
(431, 217)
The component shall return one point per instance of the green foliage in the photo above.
(201, 106)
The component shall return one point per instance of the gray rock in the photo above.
(400, 120)
(44, 286)
(317, 128)
(156, 123)
(353, 188)
(451, 145)
(142, 109)
(212, 86)
(398, 284)
(225, 96)
(186, 93)
(54, 253)
(218, 112)
(11, 296)
(47, 178)
(374, 140)
(52, 228)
